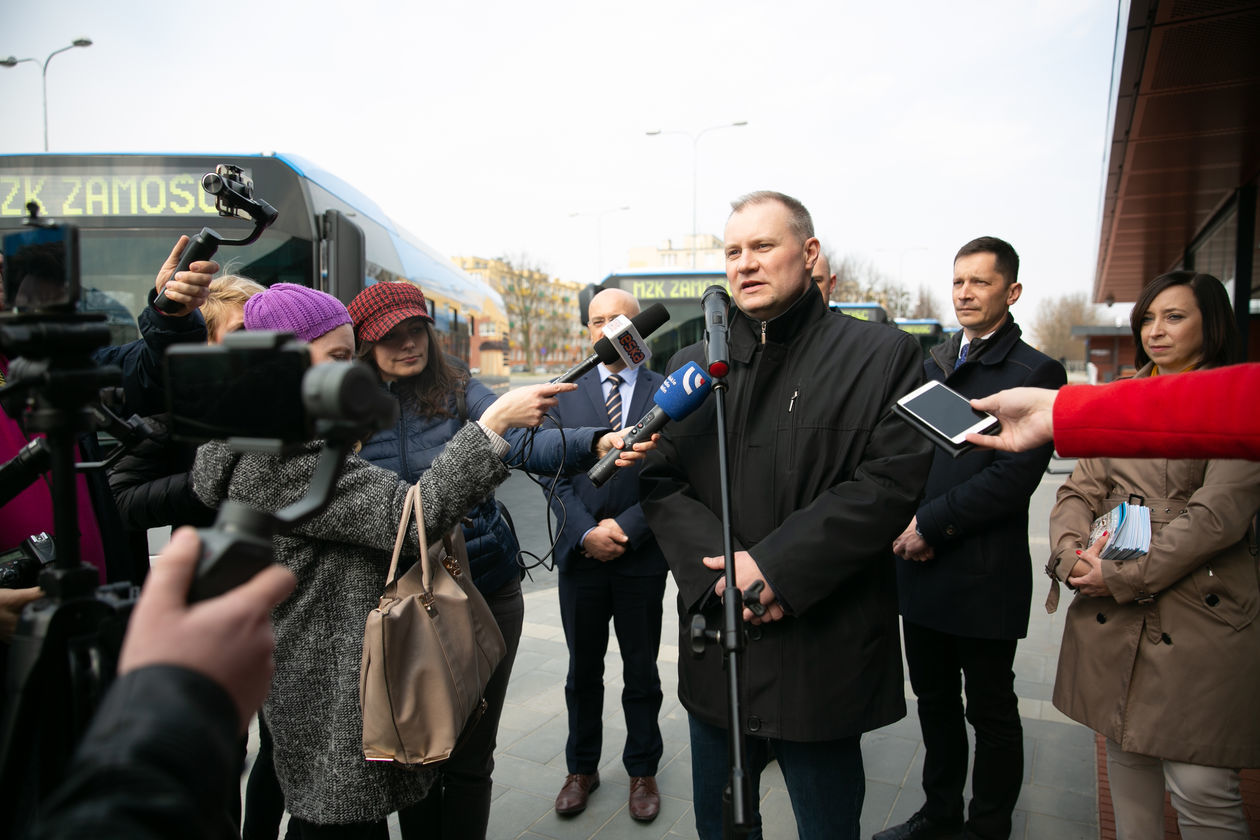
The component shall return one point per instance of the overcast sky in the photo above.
(907, 128)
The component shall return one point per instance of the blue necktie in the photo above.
(614, 400)
(962, 356)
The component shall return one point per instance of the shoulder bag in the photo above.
(429, 649)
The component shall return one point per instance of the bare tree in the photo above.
(925, 305)
(526, 291)
(860, 281)
(1052, 325)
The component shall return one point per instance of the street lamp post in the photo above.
(695, 145)
(599, 230)
(13, 61)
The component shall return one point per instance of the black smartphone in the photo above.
(945, 416)
(41, 269)
(250, 386)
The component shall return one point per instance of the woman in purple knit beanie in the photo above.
(313, 316)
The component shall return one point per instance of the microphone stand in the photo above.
(737, 796)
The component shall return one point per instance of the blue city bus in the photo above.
(679, 290)
(130, 209)
(862, 311)
(928, 331)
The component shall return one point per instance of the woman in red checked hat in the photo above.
(437, 396)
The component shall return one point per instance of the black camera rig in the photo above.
(233, 193)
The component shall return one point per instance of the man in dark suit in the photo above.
(610, 568)
(964, 575)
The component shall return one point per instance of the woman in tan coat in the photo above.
(1161, 652)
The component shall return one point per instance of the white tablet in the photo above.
(946, 413)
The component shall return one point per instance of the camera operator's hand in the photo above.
(11, 603)
(524, 407)
(188, 288)
(228, 638)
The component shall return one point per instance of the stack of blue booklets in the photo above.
(1128, 527)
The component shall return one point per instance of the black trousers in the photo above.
(938, 664)
(264, 801)
(458, 805)
(588, 600)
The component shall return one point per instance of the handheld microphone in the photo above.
(644, 324)
(715, 301)
(680, 394)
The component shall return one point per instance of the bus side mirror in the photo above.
(343, 257)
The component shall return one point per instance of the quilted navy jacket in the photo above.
(410, 447)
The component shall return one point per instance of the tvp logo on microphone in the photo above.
(684, 390)
(693, 379)
(630, 346)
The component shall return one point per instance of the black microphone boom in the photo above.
(715, 301)
(646, 323)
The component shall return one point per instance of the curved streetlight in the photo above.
(13, 61)
(695, 142)
(599, 230)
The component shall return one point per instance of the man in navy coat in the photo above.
(964, 574)
(610, 569)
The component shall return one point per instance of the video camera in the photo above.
(20, 566)
(41, 266)
(242, 391)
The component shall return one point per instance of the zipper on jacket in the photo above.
(796, 392)
(763, 332)
(404, 469)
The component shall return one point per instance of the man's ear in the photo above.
(812, 249)
(1013, 293)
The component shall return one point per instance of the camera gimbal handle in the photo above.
(232, 199)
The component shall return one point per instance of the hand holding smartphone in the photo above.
(944, 416)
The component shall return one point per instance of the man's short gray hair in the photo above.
(801, 223)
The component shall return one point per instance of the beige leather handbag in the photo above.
(429, 649)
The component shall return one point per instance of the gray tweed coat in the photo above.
(340, 559)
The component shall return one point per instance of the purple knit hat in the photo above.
(288, 307)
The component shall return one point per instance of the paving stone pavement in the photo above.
(1058, 800)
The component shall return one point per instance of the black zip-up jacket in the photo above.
(151, 484)
(975, 508)
(823, 479)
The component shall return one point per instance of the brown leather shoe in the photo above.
(645, 799)
(577, 789)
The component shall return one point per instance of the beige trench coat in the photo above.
(1170, 665)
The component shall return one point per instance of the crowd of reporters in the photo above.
(327, 787)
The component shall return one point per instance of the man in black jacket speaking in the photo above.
(964, 576)
(823, 478)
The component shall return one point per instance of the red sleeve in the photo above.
(1203, 414)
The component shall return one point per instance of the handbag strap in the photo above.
(426, 572)
(415, 500)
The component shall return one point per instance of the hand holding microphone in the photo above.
(681, 393)
(629, 341)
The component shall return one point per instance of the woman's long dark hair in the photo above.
(428, 393)
(1220, 333)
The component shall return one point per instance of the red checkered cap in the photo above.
(382, 306)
